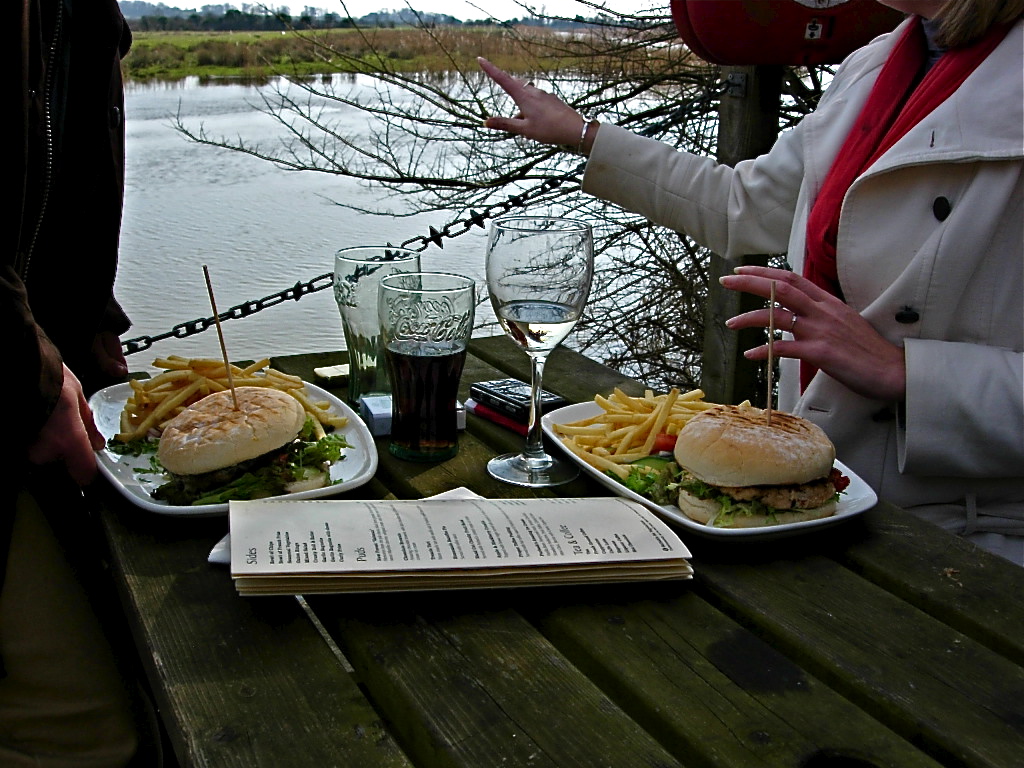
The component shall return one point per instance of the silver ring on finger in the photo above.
(792, 324)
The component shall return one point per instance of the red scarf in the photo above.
(894, 106)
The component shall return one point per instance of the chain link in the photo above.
(419, 243)
(322, 282)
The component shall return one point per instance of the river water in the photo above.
(259, 229)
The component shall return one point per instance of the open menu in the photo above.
(327, 546)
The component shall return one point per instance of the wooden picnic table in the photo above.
(882, 641)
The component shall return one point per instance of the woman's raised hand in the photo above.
(826, 333)
(542, 116)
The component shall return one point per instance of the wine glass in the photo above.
(538, 274)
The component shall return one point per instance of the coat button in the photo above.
(907, 315)
(886, 414)
(941, 208)
(115, 117)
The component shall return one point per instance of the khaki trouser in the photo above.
(63, 702)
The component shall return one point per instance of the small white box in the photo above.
(375, 410)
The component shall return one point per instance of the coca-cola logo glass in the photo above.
(426, 307)
(426, 320)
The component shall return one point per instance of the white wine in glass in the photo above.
(539, 270)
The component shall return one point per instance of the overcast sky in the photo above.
(480, 9)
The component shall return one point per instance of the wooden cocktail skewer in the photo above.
(771, 351)
(220, 335)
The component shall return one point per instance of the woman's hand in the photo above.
(826, 333)
(542, 116)
(69, 435)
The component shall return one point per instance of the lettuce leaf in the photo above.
(296, 461)
(658, 485)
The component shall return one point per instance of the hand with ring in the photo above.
(542, 117)
(832, 336)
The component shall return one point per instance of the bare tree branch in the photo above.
(426, 147)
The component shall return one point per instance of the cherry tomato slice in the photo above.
(664, 442)
(839, 480)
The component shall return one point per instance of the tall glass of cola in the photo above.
(426, 320)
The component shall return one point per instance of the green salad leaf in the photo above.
(299, 460)
(139, 447)
(654, 478)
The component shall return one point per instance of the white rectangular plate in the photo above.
(355, 468)
(857, 498)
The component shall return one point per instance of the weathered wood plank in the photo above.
(946, 576)
(959, 701)
(466, 682)
(705, 686)
(235, 679)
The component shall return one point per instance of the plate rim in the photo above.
(108, 462)
(864, 499)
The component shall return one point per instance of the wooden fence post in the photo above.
(748, 125)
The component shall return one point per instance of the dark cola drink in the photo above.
(424, 390)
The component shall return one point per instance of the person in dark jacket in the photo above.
(63, 696)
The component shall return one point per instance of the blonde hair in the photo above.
(962, 22)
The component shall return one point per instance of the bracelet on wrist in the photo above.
(578, 148)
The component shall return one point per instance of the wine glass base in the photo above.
(517, 469)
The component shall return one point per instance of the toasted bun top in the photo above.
(734, 445)
(211, 434)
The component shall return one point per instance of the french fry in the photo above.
(259, 365)
(628, 427)
(184, 381)
(580, 428)
(659, 416)
(595, 460)
(154, 416)
(320, 414)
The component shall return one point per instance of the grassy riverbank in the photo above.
(174, 55)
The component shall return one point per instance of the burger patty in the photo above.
(182, 490)
(802, 496)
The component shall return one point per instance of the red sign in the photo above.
(749, 32)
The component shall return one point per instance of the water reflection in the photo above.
(258, 227)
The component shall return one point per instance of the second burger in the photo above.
(740, 471)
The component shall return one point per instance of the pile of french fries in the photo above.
(627, 427)
(184, 381)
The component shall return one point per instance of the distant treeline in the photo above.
(226, 18)
(259, 54)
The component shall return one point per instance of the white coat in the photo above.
(930, 250)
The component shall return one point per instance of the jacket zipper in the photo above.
(48, 89)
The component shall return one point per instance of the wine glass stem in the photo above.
(534, 436)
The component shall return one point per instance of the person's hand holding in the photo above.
(106, 350)
(827, 333)
(542, 116)
(69, 435)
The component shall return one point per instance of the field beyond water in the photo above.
(257, 55)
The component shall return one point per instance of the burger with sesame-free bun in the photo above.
(214, 452)
(741, 471)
